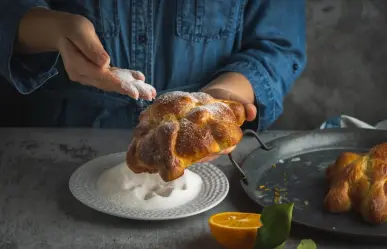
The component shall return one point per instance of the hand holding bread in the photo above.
(180, 129)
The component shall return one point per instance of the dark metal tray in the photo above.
(295, 165)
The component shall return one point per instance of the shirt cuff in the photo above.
(25, 72)
(264, 96)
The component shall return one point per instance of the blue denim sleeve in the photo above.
(25, 72)
(272, 54)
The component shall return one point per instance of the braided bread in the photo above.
(359, 182)
(182, 128)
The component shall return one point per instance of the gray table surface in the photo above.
(38, 211)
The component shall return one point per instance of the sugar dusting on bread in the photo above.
(216, 108)
(197, 97)
(191, 134)
(202, 97)
(202, 102)
(185, 133)
(195, 125)
(174, 96)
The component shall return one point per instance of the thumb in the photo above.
(87, 41)
(251, 112)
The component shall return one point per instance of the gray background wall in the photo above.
(347, 68)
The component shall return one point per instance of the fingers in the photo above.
(87, 62)
(228, 150)
(138, 75)
(80, 69)
(219, 93)
(136, 88)
(222, 152)
(154, 93)
(131, 90)
(145, 90)
(209, 159)
(251, 112)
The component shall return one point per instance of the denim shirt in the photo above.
(177, 44)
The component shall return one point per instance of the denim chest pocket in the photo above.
(207, 20)
(102, 13)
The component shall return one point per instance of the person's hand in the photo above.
(87, 62)
(219, 93)
(250, 109)
(213, 157)
(84, 58)
(220, 90)
(132, 82)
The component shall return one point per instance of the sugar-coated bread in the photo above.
(181, 128)
(359, 182)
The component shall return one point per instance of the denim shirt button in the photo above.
(295, 67)
(142, 38)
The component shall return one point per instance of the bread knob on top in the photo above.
(181, 128)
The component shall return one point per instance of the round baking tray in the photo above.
(292, 169)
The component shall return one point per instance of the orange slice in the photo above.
(235, 230)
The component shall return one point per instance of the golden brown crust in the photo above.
(358, 182)
(182, 128)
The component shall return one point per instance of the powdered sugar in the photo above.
(135, 88)
(147, 191)
(202, 102)
(192, 136)
(186, 135)
(216, 109)
(173, 96)
(186, 127)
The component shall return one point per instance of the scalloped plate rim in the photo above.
(101, 209)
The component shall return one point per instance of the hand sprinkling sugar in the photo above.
(133, 83)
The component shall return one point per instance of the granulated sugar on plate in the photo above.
(295, 159)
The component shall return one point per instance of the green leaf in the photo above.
(276, 223)
(282, 246)
(307, 244)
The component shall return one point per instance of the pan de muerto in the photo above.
(181, 128)
(359, 182)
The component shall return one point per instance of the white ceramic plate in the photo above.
(83, 185)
